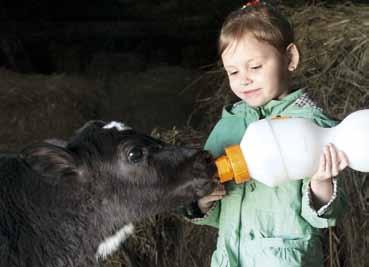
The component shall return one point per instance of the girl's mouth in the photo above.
(251, 93)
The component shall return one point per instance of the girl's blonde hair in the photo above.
(261, 20)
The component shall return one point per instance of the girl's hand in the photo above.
(331, 163)
(206, 202)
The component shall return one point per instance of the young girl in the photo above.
(259, 225)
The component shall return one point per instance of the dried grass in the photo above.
(335, 48)
(36, 107)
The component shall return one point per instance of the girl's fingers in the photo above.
(322, 163)
(214, 198)
(331, 162)
(334, 160)
(321, 169)
(343, 160)
(328, 161)
(218, 192)
(205, 202)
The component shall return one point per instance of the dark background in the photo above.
(175, 32)
(145, 53)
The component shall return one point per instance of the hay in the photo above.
(335, 56)
(149, 99)
(335, 49)
(335, 63)
(167, 240)
(37, 107)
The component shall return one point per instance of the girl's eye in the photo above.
(232, 73)
(135, 155)
(256, 67)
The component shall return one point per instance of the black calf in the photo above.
(66, 205)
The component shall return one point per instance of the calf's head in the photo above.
(125, 173)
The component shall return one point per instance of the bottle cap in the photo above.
(233, 165)
(224, 167)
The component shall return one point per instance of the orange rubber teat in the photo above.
(232, 165)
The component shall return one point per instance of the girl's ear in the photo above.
(293, 56)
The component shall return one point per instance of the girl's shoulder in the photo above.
(306, 101)
(305, 106)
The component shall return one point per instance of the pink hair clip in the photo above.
(252, 3)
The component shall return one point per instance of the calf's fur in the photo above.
(58, 203)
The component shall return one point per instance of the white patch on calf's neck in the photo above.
(112, 243)
(117, 125)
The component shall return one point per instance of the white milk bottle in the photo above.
(273, 151)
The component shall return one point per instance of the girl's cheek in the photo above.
(260, 76)
(237, 91)
(233, 84)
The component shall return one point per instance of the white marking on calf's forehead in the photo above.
(112, 243)
(118, 125)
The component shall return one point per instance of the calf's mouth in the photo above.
(206, 179)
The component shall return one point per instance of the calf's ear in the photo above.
(56, 142)
(50, 161)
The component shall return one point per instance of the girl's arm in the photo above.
(321, 185)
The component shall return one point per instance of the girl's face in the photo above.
(257, 71)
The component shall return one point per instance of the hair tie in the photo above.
(252, 3)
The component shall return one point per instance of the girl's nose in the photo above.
(245, 81)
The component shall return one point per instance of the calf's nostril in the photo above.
(209, 159)
(205, 157)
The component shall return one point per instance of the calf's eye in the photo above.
(135, 155)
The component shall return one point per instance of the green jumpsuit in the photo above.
(263, 226)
